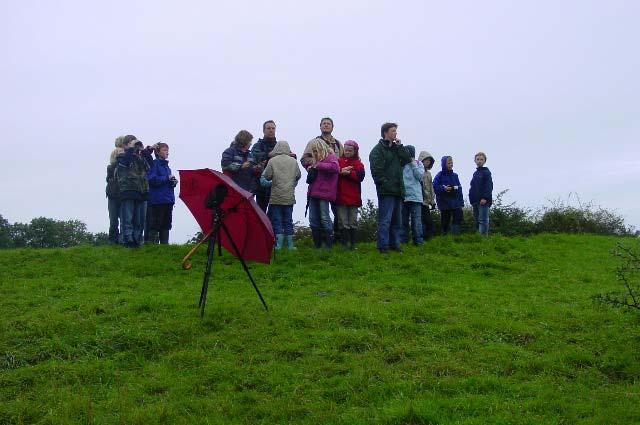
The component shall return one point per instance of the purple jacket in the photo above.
(325, 185)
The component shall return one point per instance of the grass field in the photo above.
(467, 331)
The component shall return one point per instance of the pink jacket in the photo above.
(325, 186)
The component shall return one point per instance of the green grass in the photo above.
(467, 331)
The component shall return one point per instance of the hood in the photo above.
(424, 155)
(443, 163)
(281, 148)
(412, 150)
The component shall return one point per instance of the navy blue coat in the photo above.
(160, 187)
(481, 186)
(232, 159)
(447, 200)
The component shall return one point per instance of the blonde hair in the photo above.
(320, 150)
(119, 141)
(114, 154)
(480, 154)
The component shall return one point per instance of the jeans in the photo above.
(427, 223)
(446, 217)
(389, 221)
(114, 220)
(411, 214)
(481, 215)
(319, 217)
(281, 217)
(132, 217)
(347, 217)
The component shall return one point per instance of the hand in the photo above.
(246, 165)
(483, 202)
(171, 177)
(448, 189)
(345, 171)
(293, 155)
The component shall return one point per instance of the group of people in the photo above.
(406, 190)
(140, 193)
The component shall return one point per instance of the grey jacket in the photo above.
(428, 195)
(284, 173)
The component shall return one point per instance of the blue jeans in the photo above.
(411, 214)
(481, 215)
(114, 220)
(389, 221)
(319, 217)
(132, 218)
(281, 219)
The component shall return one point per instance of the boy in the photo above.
(480, 193)
(161, 196)
(412, 174)
(428, 196)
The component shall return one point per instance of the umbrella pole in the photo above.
(211, 249)
(244, 265)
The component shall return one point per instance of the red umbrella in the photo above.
(248, 225)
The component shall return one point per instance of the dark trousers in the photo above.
(451, 220)
(427, 222)
(262, 199)
(114, 220)
(160, 222)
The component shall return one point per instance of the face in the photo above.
(326, 127)
(428, 163)
(480, 160)
(349, 151)
(163, 153)
(391, 134)
(270, 130)
(450, 164)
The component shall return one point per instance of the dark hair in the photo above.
(386, 127)
(129, 137)
(268, 122)
(328, 119)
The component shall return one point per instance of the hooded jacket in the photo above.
(386, 168)
(131, 174)
(284, 173)
(412, 174)
(428, 195)
(232, 159)
(481, 186)
(160, 187)
(325, 185)
(349, 186)
(447, 200)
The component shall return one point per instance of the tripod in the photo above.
(218, 225)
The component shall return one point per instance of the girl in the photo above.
(449, 196)
(322, 191)
(348, 199)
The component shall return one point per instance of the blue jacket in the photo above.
(481, 186)
(412, 174)
(447, 200)
(160, 187)
(232, 159)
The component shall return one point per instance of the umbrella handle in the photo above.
(186, 265)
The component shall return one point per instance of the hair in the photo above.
(320, 150)
(243, 138)
(355, 147)
(480, 154)
(386, 127)
(114, 155)
(128, 138)
(326, 119)
(159, 146)
(119, 141)
(264, 125)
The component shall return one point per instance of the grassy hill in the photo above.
(466, 331)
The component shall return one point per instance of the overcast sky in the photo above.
(550, 90)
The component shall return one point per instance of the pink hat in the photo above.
(353, 144)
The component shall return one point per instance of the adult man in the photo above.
(260, 152)
(326, 128)
(387, 159)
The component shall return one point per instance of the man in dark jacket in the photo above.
(387, 159)
(260, 153)
(480, 194)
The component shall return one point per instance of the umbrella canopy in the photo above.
(248, 225)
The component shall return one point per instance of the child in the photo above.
(133, 165)
(449, 197)
(283, 173)
(161, 196)
(412, 174)
(322, 191)
(113, 195)
(480, 192)
(428, 196)
(348, 199)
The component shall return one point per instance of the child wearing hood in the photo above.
(161, 196)
(322, 191)
(349, 200)
(449, 197)
(480, 193)
(282, 174)
(428, 195)
(412, 174)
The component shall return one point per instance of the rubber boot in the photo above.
(328, 238)
(455, 229)
(153, 236)
(345, 238)
(164, 237)
(290, 244)
(352, 238)
(316, 234)
(279, 241)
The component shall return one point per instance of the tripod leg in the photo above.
(207, 272)
(244, 265)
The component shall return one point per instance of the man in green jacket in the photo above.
(387, 159)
